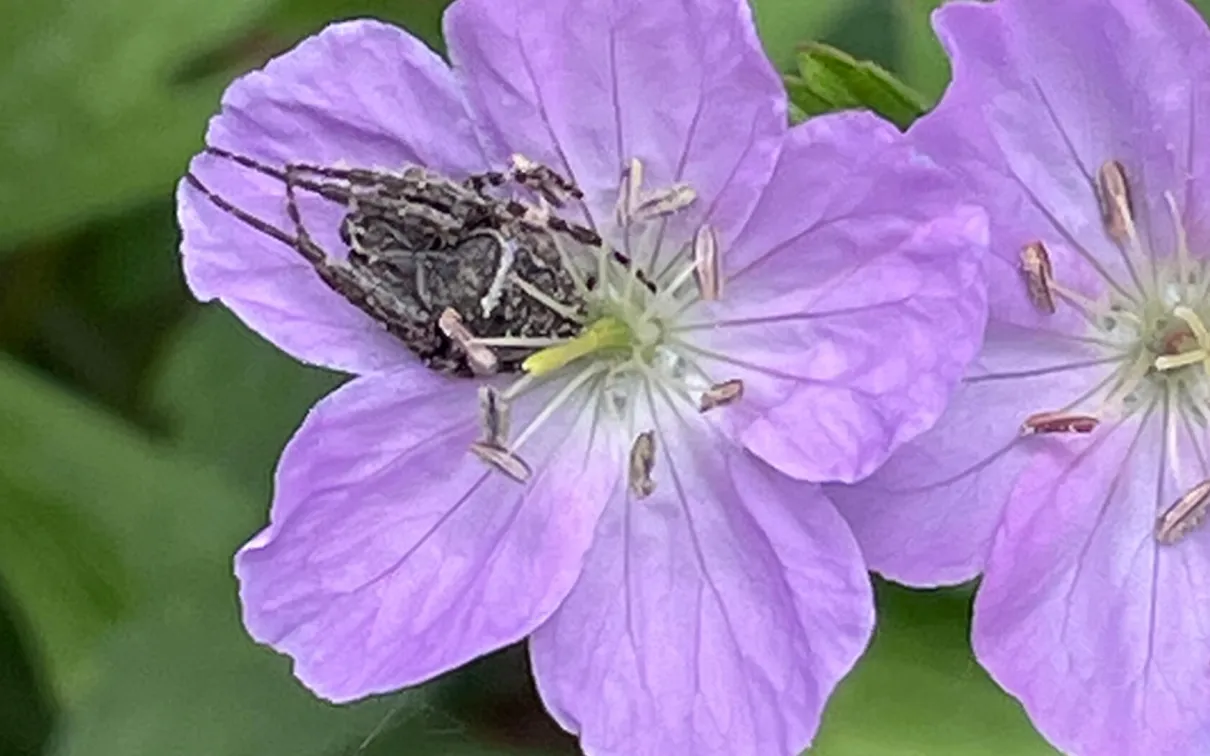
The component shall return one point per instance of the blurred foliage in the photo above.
(25, 709)
(919, 691)
(138, 430)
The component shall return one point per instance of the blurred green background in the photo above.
(138, 430)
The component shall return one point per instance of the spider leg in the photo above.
(259, 224)
(330, 191)
(335, 274)
(546, 182)
(540, 218)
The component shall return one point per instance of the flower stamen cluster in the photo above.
(628, 347)
(1154, 331)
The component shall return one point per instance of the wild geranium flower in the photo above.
(747, 297)
(1072, 468)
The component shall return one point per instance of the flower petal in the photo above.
(714, 617)
(586, 85)
(1044, 94)
(1103, 633)
(927, 516)
(838, 147)
(394, 554)
(851, 323)
(360, 92)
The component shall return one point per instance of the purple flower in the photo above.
(1072, 467)
(679, 592)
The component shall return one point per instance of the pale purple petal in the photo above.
(360, 92)
(713, 618)
(840, 148)
(394, 554)
(851, 321)
(928, 515)
(1103, 633)
(1043, 95)
(586, 85)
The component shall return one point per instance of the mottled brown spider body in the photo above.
(421, 244)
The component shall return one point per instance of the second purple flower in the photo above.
(1073, 467)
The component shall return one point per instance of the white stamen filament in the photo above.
(521, 387)
(1183, 263)
(518, 342)
(1128, 383)
(1088, 308)
(558, 401)
(573, 270)
(533, 292)
(686, 273)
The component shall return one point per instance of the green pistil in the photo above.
(603, 334)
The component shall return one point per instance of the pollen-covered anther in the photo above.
(705, 260)
(482, 360)
(642, 463)
(1039, 276)
(503, 460)
(663, 202)
(494, 416)
(1058, 422)
(1117, 209)
(1184, 515)
(721, 395)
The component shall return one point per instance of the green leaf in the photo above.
(189, 682)
(829, 80)
(71, 583)
(25, 711)
(92, 116)
(918, 691)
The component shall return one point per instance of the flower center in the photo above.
(627, 348)
(1151, 329)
